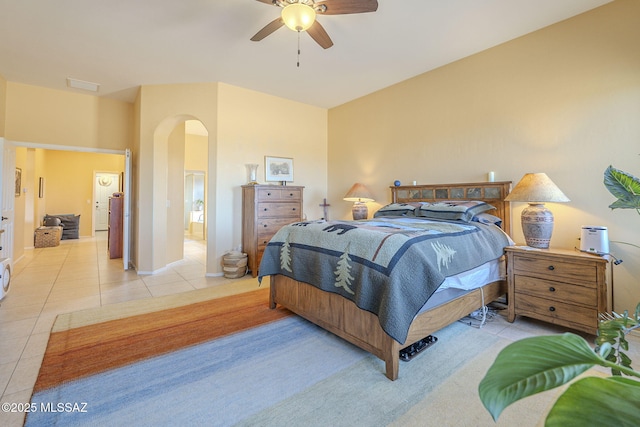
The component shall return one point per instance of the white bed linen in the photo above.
(460, 284)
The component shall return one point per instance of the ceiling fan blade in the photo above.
(344, 7)
(268, 2)
(318, 33)
(268, 29)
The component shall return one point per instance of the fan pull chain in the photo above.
(298, 63)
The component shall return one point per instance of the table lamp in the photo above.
(360, 195)
(537, 220)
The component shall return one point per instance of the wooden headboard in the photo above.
(490, 192)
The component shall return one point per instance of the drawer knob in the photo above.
(294, 209)
(551, 267)
(291, 194)
(265, 226)
(265, 209)
(268, 194)
(552, 289)
(552, 308)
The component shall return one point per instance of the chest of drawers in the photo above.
(564, 287)
(265, 209)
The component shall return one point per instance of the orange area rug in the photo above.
(87, 350)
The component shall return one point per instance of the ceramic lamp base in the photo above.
(359, 211)
(537, 225)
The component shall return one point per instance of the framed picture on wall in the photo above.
(278, 169)
(18, 182)
(41, 188)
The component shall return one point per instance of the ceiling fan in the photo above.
(300, 15)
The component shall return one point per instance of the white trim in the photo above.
(126, 214)
(66, 148)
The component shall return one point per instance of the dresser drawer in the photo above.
(268, 227)
(558, 291)
(556, 312)
(279, 194)
(583, 273)
(269, 209)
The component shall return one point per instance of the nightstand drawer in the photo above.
(558, 291)
(556, 312)
(583, 273)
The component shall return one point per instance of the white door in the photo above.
(9, 186)
(105, 185)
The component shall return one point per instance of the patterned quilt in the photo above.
(389, 266)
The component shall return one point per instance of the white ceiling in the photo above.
(122, 44)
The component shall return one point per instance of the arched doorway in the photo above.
(180, 146)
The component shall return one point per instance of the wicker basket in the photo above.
(234, 265)
(47, 237)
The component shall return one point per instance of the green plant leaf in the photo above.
(624, 186)
(597, 401)
(533, 365)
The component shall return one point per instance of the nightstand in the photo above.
(559, 286)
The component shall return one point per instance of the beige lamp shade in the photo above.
(360, 195)
(536, 187)
(537, 220)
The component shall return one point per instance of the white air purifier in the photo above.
(594, 239)
(5, 276)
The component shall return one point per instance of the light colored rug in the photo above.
(282, 372)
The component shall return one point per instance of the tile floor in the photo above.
(78, 274)
(73, 276)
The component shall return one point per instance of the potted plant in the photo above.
(541, 363)
(625, 187)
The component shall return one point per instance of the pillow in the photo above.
(70, 224)
(453, 210)
(486, 218)
(51, 221)
(397, 209)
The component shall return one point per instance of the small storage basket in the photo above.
(47, 237)
(234, 265)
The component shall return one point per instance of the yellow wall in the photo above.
(69, 190)
(48, 116)
(564, 100)
(3, 104)
(21, 203)
(253, 125)
(175, 190)
(195, 152)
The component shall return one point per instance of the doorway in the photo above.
(104, 184)
(194, 211)
(196, 141)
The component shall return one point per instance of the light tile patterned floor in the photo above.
(76, 275)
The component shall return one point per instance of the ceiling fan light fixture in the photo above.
(298, 16)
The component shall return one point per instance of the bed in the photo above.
(408, 309)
